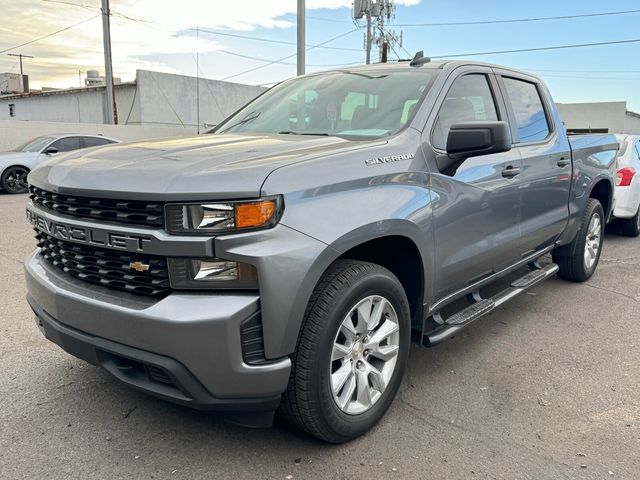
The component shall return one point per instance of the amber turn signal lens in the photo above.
(254, 214)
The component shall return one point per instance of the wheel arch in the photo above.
(399, 248)
(602, 190)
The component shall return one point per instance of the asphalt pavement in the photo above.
(547, 387)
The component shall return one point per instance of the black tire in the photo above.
(308, 402)
(14, 179)
(574, 268)
(631, 226)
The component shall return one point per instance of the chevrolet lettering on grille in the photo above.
(79, 234)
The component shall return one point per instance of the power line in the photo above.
(538, 49)
(249, 57)
(516, 20)
(291, 56)
(270, 40)
(49, 34)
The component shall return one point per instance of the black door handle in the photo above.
(510, 171)
(563, 162)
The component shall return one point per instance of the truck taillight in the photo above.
(625, 176)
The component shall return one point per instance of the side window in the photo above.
(66, 144)
(529, 110)
(94, 142)
(637, 145)
(469, 100)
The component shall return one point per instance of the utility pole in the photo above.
(301, 37)
(198, 77)
(369, 37)
(112, 112)
(21, 56)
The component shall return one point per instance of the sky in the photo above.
(162, 35)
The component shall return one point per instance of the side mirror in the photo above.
(473, 139)
(50, 151)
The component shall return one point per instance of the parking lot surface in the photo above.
(547, 387)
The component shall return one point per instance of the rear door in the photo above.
(477, 210)
(546, 159)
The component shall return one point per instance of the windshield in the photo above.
(351, 104)
(34, 145)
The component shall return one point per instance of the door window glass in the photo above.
(529, 110)
(94, 142)
(66, 144)
(469, 100)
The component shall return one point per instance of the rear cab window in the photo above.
(530, 114)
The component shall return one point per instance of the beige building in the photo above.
(601, 117)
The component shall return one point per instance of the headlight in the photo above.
(223, 217)
(187, 273)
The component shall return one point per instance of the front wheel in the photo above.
(351, 353)
(586, 247)
(14, 179)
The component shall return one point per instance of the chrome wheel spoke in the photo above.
(386, 352)
(346, 396)
(363, 393)
(339, 351)
(340, 377)
(364, 314)
(386, 329)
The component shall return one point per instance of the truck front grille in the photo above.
(119, 211)
(107, 267)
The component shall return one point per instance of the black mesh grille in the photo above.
(107, 267)
(119, 211)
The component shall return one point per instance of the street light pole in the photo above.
(301, 37)
(112, 113)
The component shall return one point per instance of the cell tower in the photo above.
(376, 13)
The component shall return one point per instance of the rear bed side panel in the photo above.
(593, 161)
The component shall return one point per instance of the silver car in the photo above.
(16, 165)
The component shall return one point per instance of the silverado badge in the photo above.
(389, 159)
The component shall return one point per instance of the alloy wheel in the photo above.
(365, 353)
(592, 244)
(16, 180)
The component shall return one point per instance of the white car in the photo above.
(16, 165)
(627, 189)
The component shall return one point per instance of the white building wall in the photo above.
(632, 124)
(156, 99)
(78, 105)
(585, 116)
(172, 99)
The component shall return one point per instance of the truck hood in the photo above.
(195, 168)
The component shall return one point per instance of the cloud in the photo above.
(150, 29)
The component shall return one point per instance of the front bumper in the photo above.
(189, 341)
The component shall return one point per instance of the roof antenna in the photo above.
(419, 59)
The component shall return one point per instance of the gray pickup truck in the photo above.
(287, 259)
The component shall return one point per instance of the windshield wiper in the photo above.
(291, 132)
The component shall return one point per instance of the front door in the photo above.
(477, 210)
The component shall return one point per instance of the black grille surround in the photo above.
(106, 267)
(130, 212)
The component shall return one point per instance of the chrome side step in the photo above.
(482, 307)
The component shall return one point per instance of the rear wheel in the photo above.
(14, 179)
(631, 226)
(586, 247)
(351, 353)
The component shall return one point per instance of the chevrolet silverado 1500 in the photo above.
(288, 258)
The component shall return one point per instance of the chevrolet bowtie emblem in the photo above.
(139, 266)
